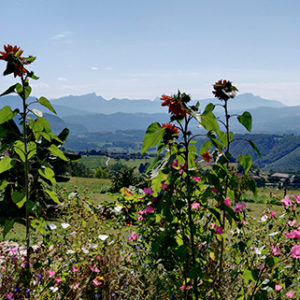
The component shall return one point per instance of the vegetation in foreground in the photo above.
(185, 235)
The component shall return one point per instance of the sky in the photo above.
(141, 49)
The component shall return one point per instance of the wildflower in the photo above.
(174, 164)
(97, 282)
(244, 222)
(94, 269)
(219, 230)
(213, 225)
(214, 190)
(227, 202)
(54, 289)
(74, 269)
(164, 186)
(292, 223)
(51, 273)
(102, 237)
(148, 191)
(75, 286)
(290, 235)
(239, 207)
(278, 287)
(286, 202)
(52, 226)
(196, 179)
(149, 209)
(175, 105)
(290, 294)
(264, 218)
(8, 295)
(295, 252)
(297, 198)
(272, 214)
(223, 89)
(171, 131)
(133, 236)
(275, 250)
(85, 251)
(195, 205)
(206, 157)
(13, 251)
(118, 209)
(64, 225)
(57, 279)
(72, 195)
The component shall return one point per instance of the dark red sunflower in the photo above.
(206, 156)
(223, 89)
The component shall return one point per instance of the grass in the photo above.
(94, 188)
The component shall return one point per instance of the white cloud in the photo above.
(107, 68)
(61, 79)
(61, 35)
(94, 68)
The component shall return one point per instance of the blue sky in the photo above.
(141, 49)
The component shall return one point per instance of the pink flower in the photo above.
(164, 186)
(286, 202)
(51, 273)
(214, 190)
(275, 250)
(74, 270)
(13, 251)
(295, 252)
(297, 199)
(213, 225)
(278, 287)
(292, 223)
(140, 218)
(195, 205)
(196, 179)
(244, 222)
(219, 230)
(149, 209)
(97, 282)
(148, 191)
(75, 286)
(57, 279)
(227, 202)
(290, 294)
(188, 287)
(272, 214)
(239, 207)
(94, 269)
(174, 164)
(3, 269)
(9, 296)
(133, 236)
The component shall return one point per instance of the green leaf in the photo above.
(53, 196)
(206, 146)
(248, 276)
(48, 174)
(30, 59)
(252, 186)
(246, 162)
(9, 90)
(6, 114)
(5, 164)
(8, 225)
(254, 148)
(57, 152)
(209, 107)
(20, 149)
(19, 198)
(209, 122)
(246, 120)
(153, 136)
(3, 184)
(23, 92)
(45, 102)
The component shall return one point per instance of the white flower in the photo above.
(85, 251)
(258, 250)
(118, 209)
(264, 218)
(70, 252)
(52, 226)
(73, 233)
(64, 225)
(273, 233)
(72, 195)
(102, 237)
(54, 289)
(93, 246)
(37, 112)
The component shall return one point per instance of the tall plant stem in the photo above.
(227, 117)
(26, 171)
(188, 183)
